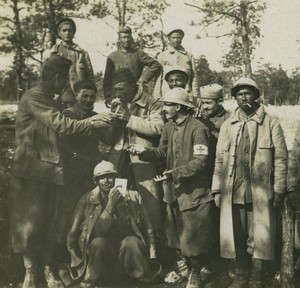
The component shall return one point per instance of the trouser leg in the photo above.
(132, 255)
(100, 260)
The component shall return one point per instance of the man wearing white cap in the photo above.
(107, 235)
(190, 210)
(249, 184)
(213, 115)
(176, 55)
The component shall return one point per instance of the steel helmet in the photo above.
(104, 167)
(168, 70)
(244, 81)
(179, 96)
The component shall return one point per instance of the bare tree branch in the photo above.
(215, 11)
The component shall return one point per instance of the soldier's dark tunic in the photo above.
(191, 213)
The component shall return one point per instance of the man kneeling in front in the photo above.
(107, 235)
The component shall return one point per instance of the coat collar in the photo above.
(140, 97)
(172, 50)
(94, 196)
(59, 42)
(257, 117)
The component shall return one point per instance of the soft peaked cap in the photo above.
(212, 91)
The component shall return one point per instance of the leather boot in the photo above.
(256, 273)
(241, 273)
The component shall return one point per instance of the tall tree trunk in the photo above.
(51, 18)
(245, 39)
(287, 261)
(19, 57)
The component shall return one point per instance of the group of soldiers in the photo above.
(199, 182)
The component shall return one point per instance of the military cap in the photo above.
(123, 75)
(124, 29)
(179, 96)
(103, 168)
(175, 29)
(174, 69)
(58, 63)
(242, 82)
(65, 21)
(83, 85)
(212, 91)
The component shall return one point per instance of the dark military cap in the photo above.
(124, 29)
(65, 21)
(123, 75)
(58, 63)
(83, 85)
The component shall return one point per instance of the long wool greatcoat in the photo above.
(144, 127)
(268, 168)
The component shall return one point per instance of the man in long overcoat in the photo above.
(108, 234)
(37, 171)
(189, 224)
(139, 121)
(249, 183)
(293, 184)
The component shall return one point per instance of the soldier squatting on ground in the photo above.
(199, 182)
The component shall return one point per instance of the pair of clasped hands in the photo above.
(137, 149)
(106, 119)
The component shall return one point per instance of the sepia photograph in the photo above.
(149, 144)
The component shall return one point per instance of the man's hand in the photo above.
(136, 149)
(217, 199)
(166, 175)
(278, 201)
(114, 197)
(104, 119)
(122, 113)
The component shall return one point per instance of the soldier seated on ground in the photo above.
(107, 235)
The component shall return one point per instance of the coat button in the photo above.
(82, 239)
(246, 178)
(84, 228)
(91, 216)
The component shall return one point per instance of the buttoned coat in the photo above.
(268, 170)
(293, 180)
(144, 127)
(189, 169)
(91, 220)
(142, 66)
(174, 57)
(81, 68)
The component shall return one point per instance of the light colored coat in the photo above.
(81, 68)
(182, 58)
(268, 168)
